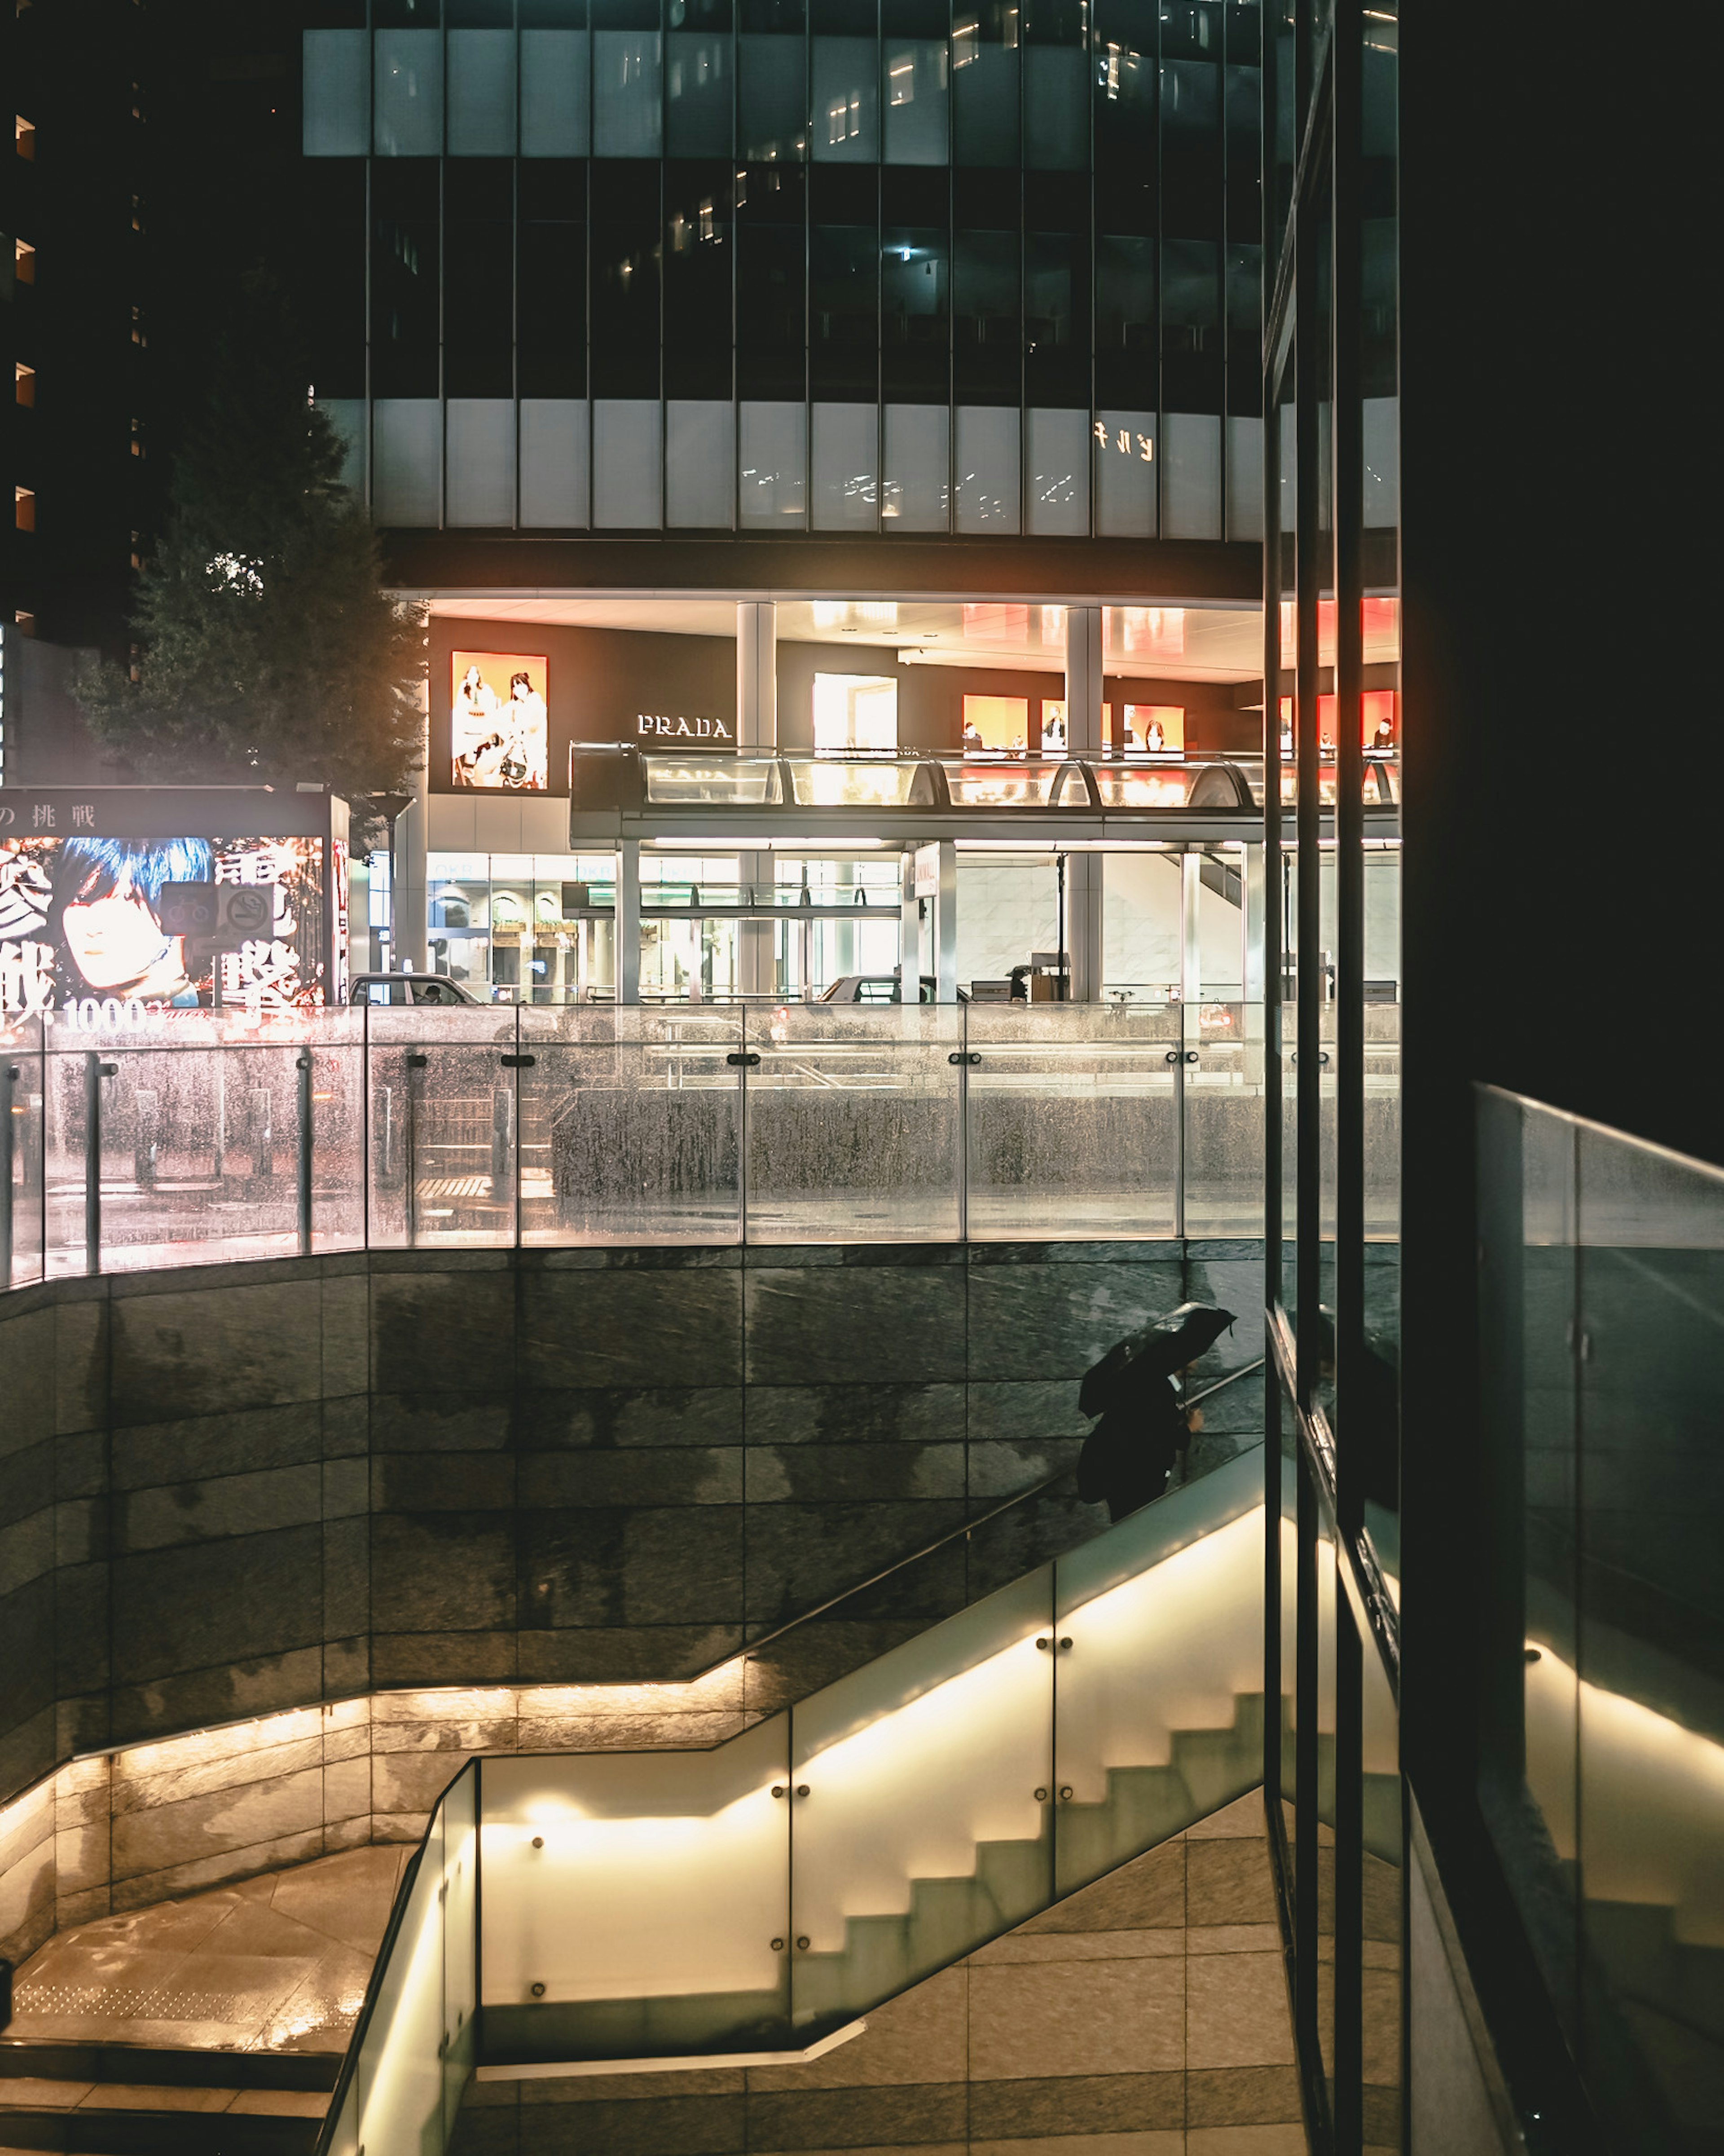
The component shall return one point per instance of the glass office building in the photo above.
(770, 267)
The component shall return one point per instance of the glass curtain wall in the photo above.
(868, 265)
(1332, 716)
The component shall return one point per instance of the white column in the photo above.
(756, 971)
(1191, 948)
(945, 926)
(757, 674)
(1251, 926)
(909, 933)
(1084, 875)
(1083, 680)
(627, 973)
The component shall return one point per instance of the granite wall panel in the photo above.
(235, 1491)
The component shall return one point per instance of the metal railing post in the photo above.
(303, 1160)
(95, 1070)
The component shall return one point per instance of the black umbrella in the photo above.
(1155, 1353)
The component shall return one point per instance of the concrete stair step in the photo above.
(133, 2100)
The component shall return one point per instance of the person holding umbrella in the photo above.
(1142, 1430)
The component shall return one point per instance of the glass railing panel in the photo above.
(335, 1083)
(630, 1120)
(1289, 1152)
(636, 1905)
(827, 783)
(925, 1828)
(1531, 1713)
(1159, 785)
(1648, 1493)
(460, 1942)
(1005, 783)
(202, 1124)
(1221, 1154)
(442, 1115)
(1159, 1671)
(1072, 1125)
(743, 782)
(853, 1124)
(1382, 1945)
(398, 2074)
(1322, 1617)
(22, 1151)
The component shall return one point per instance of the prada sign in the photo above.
(667, 730)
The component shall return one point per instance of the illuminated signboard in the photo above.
(79, 923)
(498, 726)
(652, 727)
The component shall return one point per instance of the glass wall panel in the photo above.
(1145, 1741)
(480, 448)
(555, 94)
(916, 313)
(443, 1121)
(631, 1123)
(918, 131)
(1125, 473)
(923, 1784)
(699, 465)
(1382, 1948)
(1224, 1127)
(771, 290)
(987, 469)
(854, 1125)
(774, 98)
(1056, 108)
(554, 486)
(628, 471)
(843, 310)
(915, 491)
(774, 467)
(638, 1903)
(338, 94)
(1191, 475)
(700, 87)
(407, 88)
(481, 93)
(844, 75)
(1072, 1122)
(628, 87)
(985, 85)
(407, 461)
(1059, 488)
(846, 467)
(399, 2071)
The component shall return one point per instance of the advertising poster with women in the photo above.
(498, 731)
(80, 925)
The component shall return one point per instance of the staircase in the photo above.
(748, 1903)
(130, 2100)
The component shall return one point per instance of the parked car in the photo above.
(400, 989)
(879, 989)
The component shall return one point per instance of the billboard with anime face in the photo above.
(80, 925)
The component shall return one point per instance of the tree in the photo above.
(267, 650)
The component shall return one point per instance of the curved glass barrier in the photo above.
(1010, 784)
(747, 782)
(876, 782)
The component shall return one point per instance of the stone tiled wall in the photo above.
(127, 1829)
(1145, 2016)
(240, 1491)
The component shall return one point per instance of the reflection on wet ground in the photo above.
(279, 1963)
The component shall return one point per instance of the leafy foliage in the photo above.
(268, 650)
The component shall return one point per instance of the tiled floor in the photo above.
(278, 1964)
